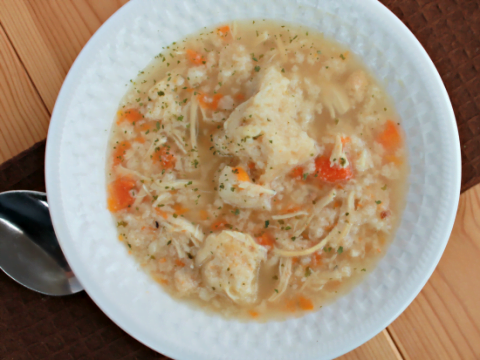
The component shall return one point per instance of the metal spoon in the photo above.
(29, 250)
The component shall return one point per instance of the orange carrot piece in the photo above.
(304, 303)
(239, 97)
(130, 115)
(179, 262)
(241, 174)
(251, 165)
(297, 173)
(166, 157)
(119, 152)
(208, 102)
(292, 209)
(223, 30)
(119, 196)
(253, 313)
(390, 137)
(346, 140)
(194, 57)
(317, 259)
(161, 213)
(331, 174)
(219, 224)
(266, 239)
(179, 209)
(140, 139)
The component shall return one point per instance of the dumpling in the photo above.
(264, 130)
(230, 264)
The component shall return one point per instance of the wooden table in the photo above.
(39, 40)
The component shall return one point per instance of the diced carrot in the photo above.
(291, 209)
(393, 159)
(239, 97)
(208, 102)
(190, 90)
(140, 139)
(337, 204)
(297, 173)
(161, 213)
(162, 260)
(179, 262)
(166, 157)
(195, 57)
(219, 224)
(130, 115)
(179, 209)
(304, 303)
(120, 237)
(203, 214)
(119, 152)
(253, 313)
(266, 239)
(160, 280)
(317, 259)
(241, 174)
(251, 165)
(346, 140)
(390, 137)
(119, 196)
(331, 174)
(223, 30)
(294, 260)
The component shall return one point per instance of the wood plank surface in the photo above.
(40, 39)
(49, 34)
(23, 117)
(444, 320)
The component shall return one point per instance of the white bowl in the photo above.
(75, 176)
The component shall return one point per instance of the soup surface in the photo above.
(256, 169)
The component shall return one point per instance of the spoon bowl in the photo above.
(29, 250)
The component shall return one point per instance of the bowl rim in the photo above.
(52, 155)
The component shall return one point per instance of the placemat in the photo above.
(34, 326)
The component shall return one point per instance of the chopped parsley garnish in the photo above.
(175, 216)
(169, 242)
(342, 57)
(267, 222)
(257, 68)
(160, 93)
(308, 272)
(122, 223)
(378, 202)
(276, 290)
(340, 250)
(384, 187)
(305, 176)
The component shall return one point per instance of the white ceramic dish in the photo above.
(75, 176)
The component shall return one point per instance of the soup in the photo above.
(256, 169)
